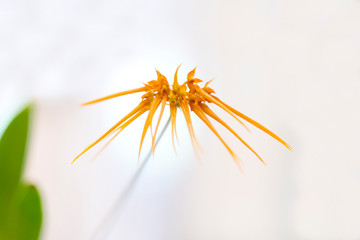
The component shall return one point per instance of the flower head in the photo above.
(188, 97)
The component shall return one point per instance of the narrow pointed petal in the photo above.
(256, 124)
(191, 74)
(152, 110)
(209, 112)
(176, 83)
(133, 118)
(213, 100)
(173, 109)
(203, 117)
(208, 82)
(119, 130)
(106, 144)
(185, 109)
(134, 111)
(151, 130)
(116, 95)
(159, 75)
(163, 103)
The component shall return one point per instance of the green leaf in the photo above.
(23, 215)
(12, 153)
(29, 214)
(12, 158)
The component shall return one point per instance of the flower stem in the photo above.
(107, 224)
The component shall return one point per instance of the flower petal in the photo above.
(209, 112)
(134, 111)
(191, 74)
(173, 109)
(211, 98)
(176, 83)
(154, 105)
(116, 95)
(163, 103)
(256, 124)
(185, 109)
(120, 128)
(197, 110)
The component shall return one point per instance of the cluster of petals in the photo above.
(188, 97)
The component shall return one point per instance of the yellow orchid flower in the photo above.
(187, 97)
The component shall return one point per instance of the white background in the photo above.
(292, 65)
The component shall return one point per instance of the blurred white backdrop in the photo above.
(292, 65)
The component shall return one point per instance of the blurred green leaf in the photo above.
(23, 215)
(20, 204)
(12, 153)
(29, 214)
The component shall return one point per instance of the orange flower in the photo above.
(188, 97)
